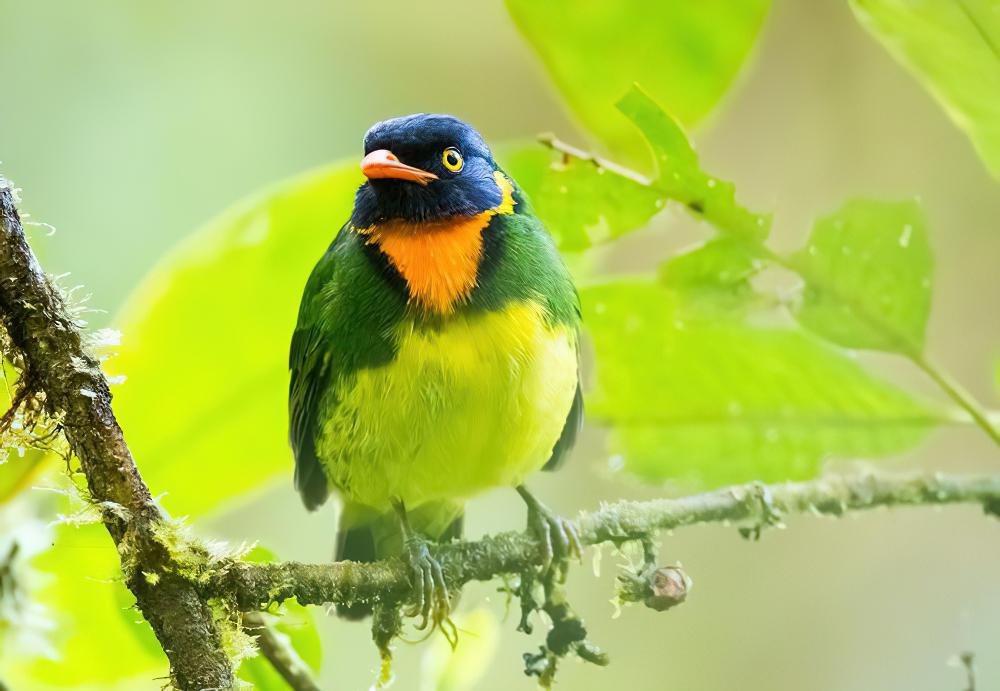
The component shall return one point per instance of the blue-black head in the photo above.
(425, 168)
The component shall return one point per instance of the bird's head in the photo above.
(425, 168)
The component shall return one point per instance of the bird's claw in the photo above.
(558, 535)
(431, 601)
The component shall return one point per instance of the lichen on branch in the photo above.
(754, 505)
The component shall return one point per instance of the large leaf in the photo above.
(720, 401)
(205, 345)
(713, 277)
(867, 267)
(686, 53)
(953, 47)
(868, 276)
(17, 472)
(100, 639)
(679, 174)
(581, 205)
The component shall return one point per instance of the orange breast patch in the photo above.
(439, 260)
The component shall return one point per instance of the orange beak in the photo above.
(384, 164)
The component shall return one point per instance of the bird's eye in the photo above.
(452, 159)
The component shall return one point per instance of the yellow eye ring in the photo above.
(452, 159)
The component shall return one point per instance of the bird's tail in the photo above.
(367, 536)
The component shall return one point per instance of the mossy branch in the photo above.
(50, 343)
(753, 506)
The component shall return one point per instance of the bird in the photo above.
(436, 355)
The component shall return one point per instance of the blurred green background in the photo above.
(129, 124)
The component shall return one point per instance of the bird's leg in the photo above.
(558, 535)
(430, 593)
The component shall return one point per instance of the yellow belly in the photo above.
(475, 404)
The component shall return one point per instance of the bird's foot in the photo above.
(559, 537)
(431, 601)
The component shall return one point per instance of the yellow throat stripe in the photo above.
(439, 260)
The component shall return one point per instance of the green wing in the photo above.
(310, 370)
(345, 323)
(310, 365)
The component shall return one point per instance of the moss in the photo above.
(386, 626)
(237, 644)
(188, 556)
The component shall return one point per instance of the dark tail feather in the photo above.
(358, 544)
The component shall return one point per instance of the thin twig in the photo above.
(946, 383)
(553, 142)
(278, 650)
(254, 585)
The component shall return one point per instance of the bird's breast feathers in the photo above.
(439, 260)
(477, 402)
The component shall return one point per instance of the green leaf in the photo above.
(711, 402)
(580, 204)
(868, 276)
(953, 48)
(292, 621)
(205, 344)
(714, 276)
(680, 177)
(17, 472)
(687, 53)
(101, 640)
